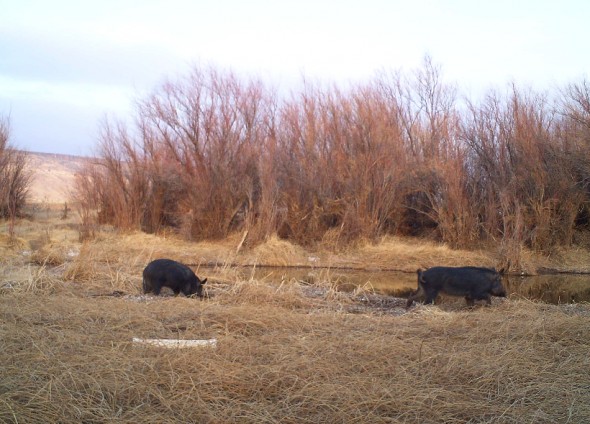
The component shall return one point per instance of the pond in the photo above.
(554, 288)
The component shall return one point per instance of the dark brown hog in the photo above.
(474, 283)
(168, 273)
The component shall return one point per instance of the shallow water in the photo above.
(558, 288)
(555, 288)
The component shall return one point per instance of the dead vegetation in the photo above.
(215, 156)
(285, 356)
(15, 178)
(288, 350)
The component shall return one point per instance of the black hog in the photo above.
(472, 282)
(168, 273)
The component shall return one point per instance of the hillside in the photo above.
(53, 176)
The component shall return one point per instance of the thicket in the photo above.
(15, 178)
(211, 154)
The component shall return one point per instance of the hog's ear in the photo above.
(204, 281)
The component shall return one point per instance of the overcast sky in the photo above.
(64, 65)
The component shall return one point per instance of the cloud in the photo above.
(75, 59)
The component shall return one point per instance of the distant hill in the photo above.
(53, 176)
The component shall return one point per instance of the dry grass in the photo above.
(288, 350)
(277, 252)
(283, 356)
(406, 254)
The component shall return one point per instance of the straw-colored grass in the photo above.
(283, 356)
(288, 350)
(410, 254)
(277, 252)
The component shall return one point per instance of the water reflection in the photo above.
(392, 283)
(560, 288)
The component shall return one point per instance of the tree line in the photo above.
(211, 154)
